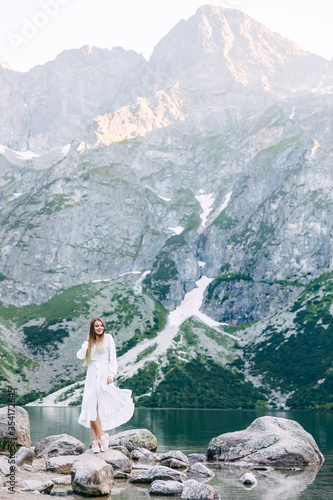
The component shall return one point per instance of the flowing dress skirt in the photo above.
(115, 406)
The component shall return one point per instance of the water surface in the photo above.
(190, 430)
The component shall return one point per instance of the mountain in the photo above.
(186, 200)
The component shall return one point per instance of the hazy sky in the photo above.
(34, 31)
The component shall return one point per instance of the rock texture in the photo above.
(60, 444)
(91, 476)
(166, 488)
(134, 439)
(24, 456)
(159, 472)
(269, 441)
(193, 490)
(21, 424)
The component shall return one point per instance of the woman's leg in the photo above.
(93, 428)
(98, 424)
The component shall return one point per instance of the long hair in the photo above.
(93, 338)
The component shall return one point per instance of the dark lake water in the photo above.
(190, 431)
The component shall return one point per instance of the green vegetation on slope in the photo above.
(299, 357)
(200, 383)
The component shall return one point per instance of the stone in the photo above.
(119, 474)
(269, 441)
(137, 455)
(134, 439)
(174, 463)
(4, 466)
(117, 460)
(91, 476)
(166, 488)
(174, 459)
(193, 490)
(199, 470)
(24, 456)
(61, 464)
(34, 485)
(60, 444)
(197, 457)
(159, 472)
(21, 436)
(248, 479)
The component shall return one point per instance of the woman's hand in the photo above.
(110, 380)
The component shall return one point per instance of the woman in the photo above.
(104, 406)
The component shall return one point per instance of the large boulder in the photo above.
(134, 439)
(21, 423)
(269, 441)
(59, 444)
(193, 490)
(91, 476)
(159, 472)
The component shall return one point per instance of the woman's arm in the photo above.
(112, 370)
(81, 354)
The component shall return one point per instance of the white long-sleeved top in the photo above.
(107, 357)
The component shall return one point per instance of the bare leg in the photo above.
(96, 426)
(93, 429)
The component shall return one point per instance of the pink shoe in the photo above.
(104, 441)
(95, 446)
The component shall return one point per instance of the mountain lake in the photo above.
(190, 431)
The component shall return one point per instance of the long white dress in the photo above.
(115, 406)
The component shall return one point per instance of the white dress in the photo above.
(115, 406)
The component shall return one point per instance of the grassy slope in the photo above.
(294, 350)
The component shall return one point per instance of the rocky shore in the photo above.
(272, 453)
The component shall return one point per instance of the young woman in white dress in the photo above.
(104, 406)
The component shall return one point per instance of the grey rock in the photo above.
(159, 472)
(24, 456)
(197, 457)
(134, 439)
(4, 466)
(248, 479)
(117, 460)
(193, 490)
(199, 470)
(177, 455)
(267, 441)
(60, 464)
(174, 463)
(34, 485)
(166, 488)
(137, 455)
(119, 474)
(91, 476)
(22, 426)
(59, 444)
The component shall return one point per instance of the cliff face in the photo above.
(211, 160)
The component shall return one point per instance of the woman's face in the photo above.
(98, 327)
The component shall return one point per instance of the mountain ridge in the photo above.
(183, 178)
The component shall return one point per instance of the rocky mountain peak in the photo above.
(222, 47)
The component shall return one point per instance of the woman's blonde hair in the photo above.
(94, 339)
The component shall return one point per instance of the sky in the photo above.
(33, 32)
